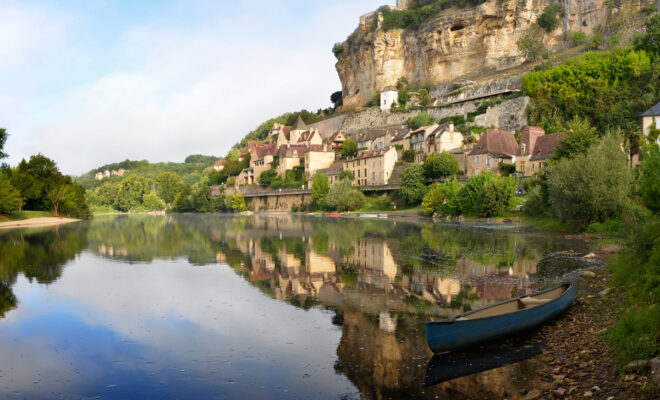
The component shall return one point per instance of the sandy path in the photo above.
(37, 222)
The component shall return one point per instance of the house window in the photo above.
(358, 173)
(373, 176)
(488, 161)
(476, 171)
(477, 159)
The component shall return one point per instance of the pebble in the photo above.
(588, 394)
(604, 292)
(559, 393)
(533, 394)
(589, 274)
(629, 378)
(634, 365)
(590, 255)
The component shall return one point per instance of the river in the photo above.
(279, 306)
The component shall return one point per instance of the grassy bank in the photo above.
(22, 215)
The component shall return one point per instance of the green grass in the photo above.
(21, 215)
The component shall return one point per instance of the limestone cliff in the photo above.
(457, 43)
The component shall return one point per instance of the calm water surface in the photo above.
(135, 307)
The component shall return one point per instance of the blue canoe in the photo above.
(499, 320)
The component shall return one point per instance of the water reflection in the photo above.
(377, 282)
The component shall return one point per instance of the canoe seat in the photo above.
(528, 301)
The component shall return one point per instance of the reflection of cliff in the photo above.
(37, 254)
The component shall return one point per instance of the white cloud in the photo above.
(178, 90)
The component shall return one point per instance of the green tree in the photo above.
(580, 137)
(3, 140)
(182, 201)
(589, 187)
(35, 178)
(58, 196)
(413, 184)
(107, 193)
(346, 174)
(441, 165)
(10, 198)
(531, 44)
(465, 200)
(421, 119)
(200, 198)
(75, 203)
(337, 49)
(408, 156)
(167, 186)
(130, 192)
(495, 196)
(649, 179)
(320, 187)
(342, 196)
(266, 177)
(238, 203)
(650, 40)
(152, 202)
(548, 19)
(337, 99)
(438, 199)
(349, 148)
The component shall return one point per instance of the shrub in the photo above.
(438, 198)
(649, 179)
(650, 40)
(238, 203)
(595, 41)
(495, 196)
(152, 202)
(548, 19)
(440, 165)
(536, 204)
(320, 188)
(464, 202)
(531, 44)
(266, 177)
(408, 156)
(337, 49)
(413, 187)
(578, 37)
(419, 120)
(342, 196)
(10, 198)
(589, 187)
(578, 140)
(507, 169)
(349, 148)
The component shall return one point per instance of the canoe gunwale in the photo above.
(453, 320)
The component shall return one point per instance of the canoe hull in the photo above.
(451, 334)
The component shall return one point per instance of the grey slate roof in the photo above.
(653, 111)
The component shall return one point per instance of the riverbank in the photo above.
(578, 361)
(37, 222)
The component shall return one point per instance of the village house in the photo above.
(372, 167)
(289, 157)
(528, 139)
(219, 165)
(276, 130)
(651, 118)
(318, 157)
(461, 157)
(418, 141)
(298, 135)
(443, 138)
(543, 150)
(494, 147)
(332, 172)
(336, 140)
(366, 139)
(402, 139)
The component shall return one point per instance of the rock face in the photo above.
(456, 43)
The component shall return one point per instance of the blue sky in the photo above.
(92, 82)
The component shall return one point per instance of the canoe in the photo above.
(333, 215)
(499, 320)
(368, 215)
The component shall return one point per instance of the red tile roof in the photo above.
(545, 146)
(496, 142)
(370, 154)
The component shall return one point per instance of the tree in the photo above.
(152, 202)
(419, 120)
(342, 196)
(238, 203)
(130, 192)
(59, 195)
(438, 198)
(266, 177)
(349, 148)
(495, 196)
(346, 174)
(10, 198)
(589, 187)
(578, 140)
(320, 187)
(441, 165)
(408, 156)
(413, 187)
(650, 40)
(548, 19)
(182, 202)
(167, 186)
(337, 99)
(531, 44)
(35, 178)
(465, 200)
(107, 193)
(3, 140)
(337, 49)
(649, 179)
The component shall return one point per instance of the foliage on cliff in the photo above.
(420, 11)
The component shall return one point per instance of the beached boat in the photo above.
(364, 215)
(499, 320)
(382, 215)
(333, 215)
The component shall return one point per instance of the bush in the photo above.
(349, 148)
(591, 187)
(495, 196)
(342, 196)
(408, 156)
(266, 177)
(10, 198)
(413, 185)
(152, 202)
(346, 174)
(578, 37)
(465, 200)
(182, 202)
(438, 199)
(531, 44)
(536, 204)
(441, 165)
(419, 120)
(337, 49)
(649, 179)
(238, 203)
(507, 169)
(578, 140)
(320, 189)
(548, 19)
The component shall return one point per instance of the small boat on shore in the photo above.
(333, 215)
(498, 320)
(364, 215)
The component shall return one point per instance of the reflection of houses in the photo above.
(374, 258)
(112, 252)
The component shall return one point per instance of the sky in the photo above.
(88, 83)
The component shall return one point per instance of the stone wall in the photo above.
(282, 202)
(509, 115)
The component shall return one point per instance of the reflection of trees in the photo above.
(37, 254)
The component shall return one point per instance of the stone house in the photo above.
(289, 158)
(418, 141)
(402, 139)
(388, 97)
(332, 172)
(461, 157)
(372, 167)
(543, 150)
(246, 177)
(276, 130)
(219, 165)
(368, 139)
(651, 118)
(261, 159)
(443, 138)
(528, 139)
(336, 140)
(495, 146)
(298, 135)
(318, 157)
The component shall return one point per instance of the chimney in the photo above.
(451, 127)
